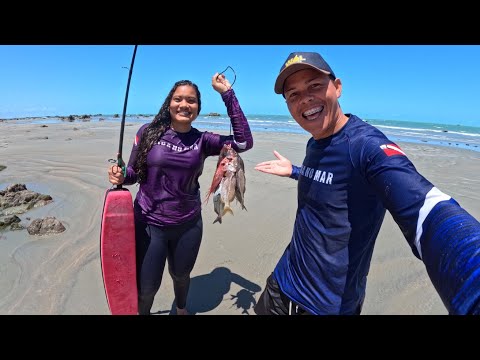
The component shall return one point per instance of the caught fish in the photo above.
(240, 183)
(217, 177)
(224, 195)
(218, 205)
(228, 182)
(228, 187)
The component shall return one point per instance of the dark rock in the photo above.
(16, 199)
(16, 188)
(16, 226)
(45, 226)
(8, 220)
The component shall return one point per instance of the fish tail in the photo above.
(226, 209)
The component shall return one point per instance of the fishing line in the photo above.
(235, 75)
(120, 162)
(231, 85)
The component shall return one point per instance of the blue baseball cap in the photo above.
(298, 61)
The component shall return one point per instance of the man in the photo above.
(352, 173)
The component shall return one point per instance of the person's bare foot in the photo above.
(182, 311)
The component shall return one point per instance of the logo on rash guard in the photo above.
(136, 140)
(392, 149)
(317, 175)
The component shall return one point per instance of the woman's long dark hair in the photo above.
(157, 127)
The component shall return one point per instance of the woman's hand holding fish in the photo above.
(220, 83)
(280, 167)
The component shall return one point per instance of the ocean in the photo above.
(450, 135)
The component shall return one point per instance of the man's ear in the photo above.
(338, 86)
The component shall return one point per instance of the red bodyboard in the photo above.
(117, 252)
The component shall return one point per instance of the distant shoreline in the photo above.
(452, 124)
(446, 135)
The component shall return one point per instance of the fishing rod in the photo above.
(120, 162)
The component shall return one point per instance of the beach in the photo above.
(61, 274)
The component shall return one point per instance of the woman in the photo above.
(166, 160)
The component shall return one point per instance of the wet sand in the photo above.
(61, 274)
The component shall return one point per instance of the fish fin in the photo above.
(207, 196)
(226, 209)
(239, 201)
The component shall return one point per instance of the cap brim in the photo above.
(289, 71)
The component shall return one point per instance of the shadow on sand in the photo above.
(207, 292)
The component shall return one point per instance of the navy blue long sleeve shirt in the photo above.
(345, 185)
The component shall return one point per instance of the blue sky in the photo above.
(426, 83)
